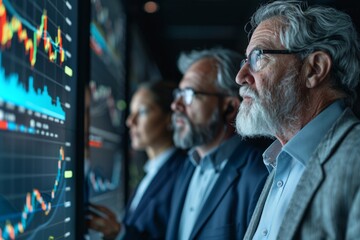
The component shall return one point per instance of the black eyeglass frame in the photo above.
(265, 51)
(178, 92)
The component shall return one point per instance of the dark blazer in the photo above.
(228, 209)
(326, 201)
(149, 219)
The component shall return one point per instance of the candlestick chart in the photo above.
(38, 86)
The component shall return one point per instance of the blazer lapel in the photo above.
(129, 214)
(254, 222)
(313, 175)
(178, 199)
(155, 185)
(225, 180)
(306, 188)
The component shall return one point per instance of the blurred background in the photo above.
(68, 70)
(168, 27)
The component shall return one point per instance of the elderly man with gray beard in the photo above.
(218, 189)
(298, 84)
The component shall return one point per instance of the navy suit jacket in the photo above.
(229, 207)
(149, 219)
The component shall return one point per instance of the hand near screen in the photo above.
(102, 219)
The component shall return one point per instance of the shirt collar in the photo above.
(216, 156)
(304, 143)
(271, 154)
(153, 165)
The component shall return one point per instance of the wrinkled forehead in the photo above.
(266, 35)
(201, 75)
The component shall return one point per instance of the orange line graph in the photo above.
(14, 27)
(33, 200)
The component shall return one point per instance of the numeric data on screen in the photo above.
(38, 56)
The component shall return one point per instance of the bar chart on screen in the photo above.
(38, 66)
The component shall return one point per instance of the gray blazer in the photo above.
(326, 201)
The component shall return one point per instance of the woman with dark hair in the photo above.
(150, 128)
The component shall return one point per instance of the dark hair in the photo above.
(162, 92)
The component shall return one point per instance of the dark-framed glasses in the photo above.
(188, 94)
(255, 56)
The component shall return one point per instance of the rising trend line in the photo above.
(8, 29)
(34, 202)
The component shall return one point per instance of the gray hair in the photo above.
(227, 62)
(315, 28)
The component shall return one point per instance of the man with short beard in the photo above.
(297, 84)
(216, 193)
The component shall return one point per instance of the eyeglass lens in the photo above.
(187, 94)
(253, 59)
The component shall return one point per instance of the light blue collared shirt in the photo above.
(151, 168)
(207, 172)
(289, 162)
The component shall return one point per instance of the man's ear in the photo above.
(318, 68)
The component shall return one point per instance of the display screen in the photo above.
(38, 86)
(105, 163)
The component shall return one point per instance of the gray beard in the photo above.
(273, 114)
(195, 135)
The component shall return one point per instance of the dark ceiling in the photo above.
(182, 25)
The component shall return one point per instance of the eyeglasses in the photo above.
(188, 94)
(255, 56)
